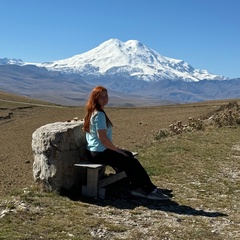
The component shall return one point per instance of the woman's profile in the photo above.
(98, 128)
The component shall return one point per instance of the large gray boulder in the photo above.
(56, 148)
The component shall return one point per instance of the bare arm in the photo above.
(102, 135)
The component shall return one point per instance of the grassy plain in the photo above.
(201, 167)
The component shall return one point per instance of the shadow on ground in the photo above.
(118, 196)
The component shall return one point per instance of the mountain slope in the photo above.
(134, 75)
(129, 59)
(68, 89)
(63, 89)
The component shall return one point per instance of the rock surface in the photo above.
(56, 148)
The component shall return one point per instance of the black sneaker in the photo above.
(156, 194)
(139, 192)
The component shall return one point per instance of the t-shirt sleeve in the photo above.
(100, 121)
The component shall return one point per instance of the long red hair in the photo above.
(93, 105)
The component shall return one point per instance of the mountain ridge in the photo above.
(54, 83)
(131, 58)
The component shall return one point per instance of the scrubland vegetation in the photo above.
(191, 149)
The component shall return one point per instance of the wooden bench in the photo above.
(96, 181)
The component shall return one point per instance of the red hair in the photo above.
(93, 105)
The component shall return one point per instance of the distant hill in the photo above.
(10, 97)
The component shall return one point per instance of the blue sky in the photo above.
(204, 33)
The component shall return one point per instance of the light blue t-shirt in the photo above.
(97, 122)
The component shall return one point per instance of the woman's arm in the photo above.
(102, 135)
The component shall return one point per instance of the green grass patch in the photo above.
(199, 167)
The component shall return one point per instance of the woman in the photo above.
(98, 128)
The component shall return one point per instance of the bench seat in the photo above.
(96, 182)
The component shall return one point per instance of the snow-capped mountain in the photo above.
(133, 73)
(6, 61)
(129, 59)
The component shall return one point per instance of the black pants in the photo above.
(135, 172)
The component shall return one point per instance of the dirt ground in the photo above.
(20, 117)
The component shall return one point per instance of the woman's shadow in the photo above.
(118, 196)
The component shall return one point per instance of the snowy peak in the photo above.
(129, 59)
(5, 61)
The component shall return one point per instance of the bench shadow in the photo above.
(119, 197)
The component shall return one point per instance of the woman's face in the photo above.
(103, 99)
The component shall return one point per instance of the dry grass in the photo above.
(201, 167)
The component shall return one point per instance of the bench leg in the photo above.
(96, 185)
(91, 189)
